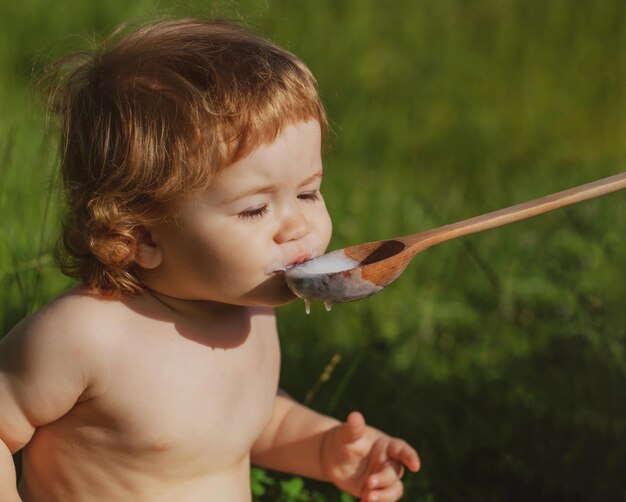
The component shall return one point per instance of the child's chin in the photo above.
(274, 293)
(284, 297)
(286, 302)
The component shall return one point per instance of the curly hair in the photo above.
(154, 114)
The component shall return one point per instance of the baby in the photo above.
(192, 169)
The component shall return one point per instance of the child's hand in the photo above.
(366, 462)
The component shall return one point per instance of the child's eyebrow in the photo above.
(268, 188)
(312, 178)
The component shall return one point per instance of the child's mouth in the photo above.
(280, 269)
(297, 261)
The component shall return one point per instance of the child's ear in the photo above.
(148, 255)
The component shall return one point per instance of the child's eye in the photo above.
(314, 195)
(250, 214)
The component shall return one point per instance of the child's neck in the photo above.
(215, 324)
(201, 309)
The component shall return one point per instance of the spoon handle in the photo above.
(518, 212)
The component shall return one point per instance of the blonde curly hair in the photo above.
(157, 113)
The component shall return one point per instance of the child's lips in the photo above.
(297, 260)
(280, 269)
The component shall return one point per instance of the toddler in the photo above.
(190, 156)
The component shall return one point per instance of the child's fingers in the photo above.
(404, 453)
(353, 429)
(389, 473)
(388, 494)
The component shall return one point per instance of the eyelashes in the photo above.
(258, 212)
(310, 195)
(251, 214)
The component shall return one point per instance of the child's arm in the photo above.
(8, 489)
(294, 429)
(42, 375)
(357, 458)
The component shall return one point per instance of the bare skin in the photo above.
(158, 410)
(171, 395)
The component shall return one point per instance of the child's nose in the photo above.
(293, 226)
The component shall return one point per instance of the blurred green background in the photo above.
(500, 356)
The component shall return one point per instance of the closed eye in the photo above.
(314, 195)
(250, 214)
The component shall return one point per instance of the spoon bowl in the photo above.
(365, 269)
(371, 270)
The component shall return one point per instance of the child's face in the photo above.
(262, 213)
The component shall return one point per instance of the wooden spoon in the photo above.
(362, 270)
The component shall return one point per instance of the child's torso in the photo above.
(174, 418)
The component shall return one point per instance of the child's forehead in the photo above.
(263, 138)
(295, 153)
(296, 140)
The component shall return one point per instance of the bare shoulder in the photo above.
(71, 336)
(75, 318)
(52, 360)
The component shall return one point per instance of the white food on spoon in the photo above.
(330, 263)
(326, 264)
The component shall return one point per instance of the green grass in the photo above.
(501, 356)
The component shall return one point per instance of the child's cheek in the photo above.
(326, 233)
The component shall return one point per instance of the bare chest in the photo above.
(174, 397)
